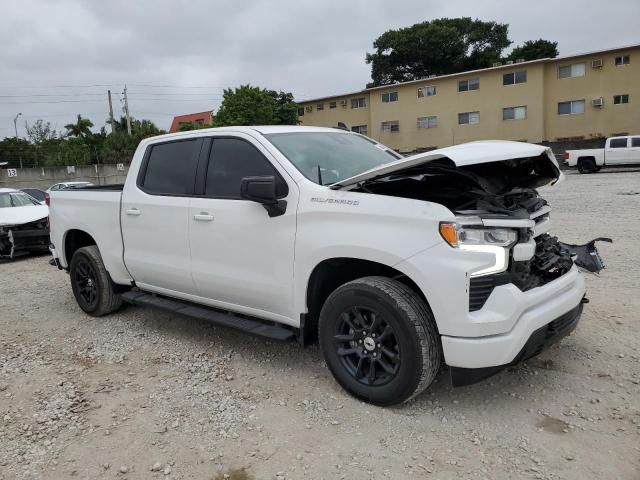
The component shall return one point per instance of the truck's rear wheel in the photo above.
(379, 340)
(90, 282)
(587, 165)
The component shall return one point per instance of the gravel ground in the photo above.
(142, 394)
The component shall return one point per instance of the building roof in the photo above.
(190, 117)
(471, 72)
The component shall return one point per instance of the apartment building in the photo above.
(571, 98)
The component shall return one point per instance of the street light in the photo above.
(15, 124)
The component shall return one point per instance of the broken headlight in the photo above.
(485, 240)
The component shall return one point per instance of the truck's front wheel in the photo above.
(380, 340)
(90, 282)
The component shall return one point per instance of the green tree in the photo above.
(17, 152)
(436, 47)
(82, 127)
(187, 126)
(40, 131)
(119, 147)
(534, 50)
(247, 105)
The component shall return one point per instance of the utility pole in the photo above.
(111, 112)
(15, 127)
(15, 124)
(126, 110)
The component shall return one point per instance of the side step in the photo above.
(223, 319)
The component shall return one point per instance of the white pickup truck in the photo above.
(617, 151)
(395, 265)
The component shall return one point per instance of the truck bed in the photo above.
(113, 187)
(96, 211)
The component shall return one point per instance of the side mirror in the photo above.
(259, 189)
(263, 190)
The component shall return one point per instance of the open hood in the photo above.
(19, 215)
(464, 155)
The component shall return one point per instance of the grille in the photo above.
(479, 290)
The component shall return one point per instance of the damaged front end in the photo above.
(491, 187)
(21, 239)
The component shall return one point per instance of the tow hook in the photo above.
(584, 300)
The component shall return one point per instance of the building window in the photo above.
(301, 111)
(320, 106)
(514, 113)
(427, 122)
(358, 102)
(571, 108)
(391, 126)
(574, 70)
(471, 84)
(623, 60)
(468, 118)
(512, 78)
(620, 99)
(361, 129)
(332, 105)
(389, 97)
(428, 91)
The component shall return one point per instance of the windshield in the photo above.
(329, 157)
(16, 200)
(35, 193)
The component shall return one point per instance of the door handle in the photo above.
(134, 212)
(203, 217)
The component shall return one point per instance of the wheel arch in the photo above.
(75, 239)
(331, 273)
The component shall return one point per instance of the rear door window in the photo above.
(231, 160)
(635, 142)
(171, 168)
(618, 143)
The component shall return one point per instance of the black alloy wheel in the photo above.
(85, 278)
(367, 346)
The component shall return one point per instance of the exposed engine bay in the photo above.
(504, 188)
(495, 191)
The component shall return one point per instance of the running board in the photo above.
(217, 317)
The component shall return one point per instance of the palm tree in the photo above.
(82, 127)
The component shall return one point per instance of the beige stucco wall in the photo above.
(603, 82)
(541, 94)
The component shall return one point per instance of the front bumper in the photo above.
(539, 340)
(19, 239)
(510, 317)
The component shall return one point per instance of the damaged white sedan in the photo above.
(24, 224)
(395, 265)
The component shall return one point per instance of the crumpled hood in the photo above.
(21, 215)
(472, 153)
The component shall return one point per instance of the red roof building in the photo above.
(202, 118)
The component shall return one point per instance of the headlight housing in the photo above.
(457, 235)
(474, 238)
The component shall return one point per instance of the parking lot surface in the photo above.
(142, 394)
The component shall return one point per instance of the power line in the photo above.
(112, 85)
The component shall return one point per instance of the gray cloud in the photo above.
(311, 48)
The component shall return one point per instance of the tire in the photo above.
(587, 165)
(381, 322)
(91, 284)
(598, 168)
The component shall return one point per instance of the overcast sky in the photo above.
(58, 58)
